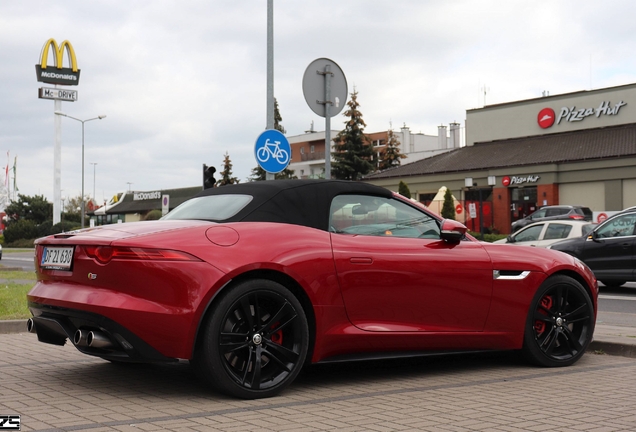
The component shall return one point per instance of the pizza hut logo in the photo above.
(507, 180)
(546, 118)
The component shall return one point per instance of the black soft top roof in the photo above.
(299, 202)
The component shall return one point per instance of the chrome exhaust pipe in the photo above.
(31, 326)
(96, 339)
(81, 337)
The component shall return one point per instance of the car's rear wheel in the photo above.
(613, 284)
(560, 323)
(255, 341)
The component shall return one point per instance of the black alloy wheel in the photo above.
(560, 323)
(255, 342)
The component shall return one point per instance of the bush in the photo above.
(488, 237)
(20, 229)
(21, 243)
(153, 215)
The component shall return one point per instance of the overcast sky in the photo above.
(184, 82)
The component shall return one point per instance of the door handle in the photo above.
(361, 260)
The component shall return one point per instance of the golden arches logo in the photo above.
(58, 53)
(59, 74)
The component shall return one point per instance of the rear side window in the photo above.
(211, 207)
(557, 231)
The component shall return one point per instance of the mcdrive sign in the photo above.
(58, 74)
(547, 117)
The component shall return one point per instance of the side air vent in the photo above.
(510, 274)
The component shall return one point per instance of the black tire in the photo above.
(560, 323)
(254, 343)
(613, 284)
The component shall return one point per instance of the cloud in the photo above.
(184, 83)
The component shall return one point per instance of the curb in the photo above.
(613, 348)
(599, 346)
(13, 326)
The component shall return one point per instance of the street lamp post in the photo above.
(83, 208)
(94, 163)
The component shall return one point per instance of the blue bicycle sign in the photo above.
(272, 151)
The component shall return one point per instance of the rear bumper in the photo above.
(112, 341)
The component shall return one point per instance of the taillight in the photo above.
(577, 217)
(105, 254)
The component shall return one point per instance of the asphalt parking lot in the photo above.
(56, 388)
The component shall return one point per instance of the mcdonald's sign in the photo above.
(58, 74)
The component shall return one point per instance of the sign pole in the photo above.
(57, 162)
(270, 73)
(328, 121)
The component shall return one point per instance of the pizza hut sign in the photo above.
(547, 117)
(513, 180)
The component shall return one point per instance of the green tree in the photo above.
(390, 155)
(258, 174)
(278, 118)
(353, 155)
(448, 208)
(226, 174)
(35, 208)
(404, 190)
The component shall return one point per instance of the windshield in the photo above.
(212, 207)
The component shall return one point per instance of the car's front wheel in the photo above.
(560, 323)
(255, 341)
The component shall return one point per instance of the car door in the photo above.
(610, 251)
(396, 274)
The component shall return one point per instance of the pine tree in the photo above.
(448, 208)
(404, 190)
(390, 155)
(258, 173)
(353, 155)
(226, 174)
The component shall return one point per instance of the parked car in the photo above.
(543, 234)
(557, 212)
(609, 250)
(252, 281)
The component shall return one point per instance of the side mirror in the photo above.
(452, 231)
(510, 239)
(593, 236)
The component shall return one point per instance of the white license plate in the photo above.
(57, 257)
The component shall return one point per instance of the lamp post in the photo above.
(94, 163)
(81, 121)
(63, 199)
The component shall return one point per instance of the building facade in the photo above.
(576, 148)
(308, 149)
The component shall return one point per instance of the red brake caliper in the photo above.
(539, 326)
(277, 337)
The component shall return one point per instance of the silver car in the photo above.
(543, 234)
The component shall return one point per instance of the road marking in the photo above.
(8, 257)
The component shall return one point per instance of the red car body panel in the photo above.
(362, 294)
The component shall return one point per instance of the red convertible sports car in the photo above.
(252, 281)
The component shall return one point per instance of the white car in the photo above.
(543, 234)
